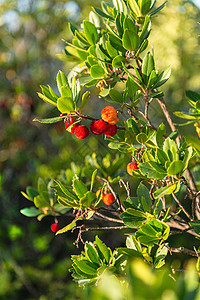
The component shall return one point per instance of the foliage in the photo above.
(112, 54)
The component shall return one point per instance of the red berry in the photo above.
(70, 122)
(98, 126)
(110, 130)
(55, 227)
(108, 199)
(81, 132)
(132, 167)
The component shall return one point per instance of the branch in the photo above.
(183, 250)
(196, 201)
(182, 227)
(126, 186)
(108, 218)
(116, 197)
(183, 209)
(105, 228)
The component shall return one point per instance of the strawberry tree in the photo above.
(111, 47)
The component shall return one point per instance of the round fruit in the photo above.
(132, 167)
(110, 130)
(108, 199)
(109, 114)
(81, 132)
(69, 123)
(98, 126)
(55, 227)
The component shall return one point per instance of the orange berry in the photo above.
(108, 199)
(132, 167)
(109, 115)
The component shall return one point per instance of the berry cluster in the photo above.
(98, 126)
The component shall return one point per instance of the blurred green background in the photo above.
(34, 264)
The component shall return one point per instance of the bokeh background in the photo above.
(33, 262)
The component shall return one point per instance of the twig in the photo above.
(108, 218)
(182, 250)
(126, 186)
(105, 228)
(180, 205)
(182, 227)
(116, 197)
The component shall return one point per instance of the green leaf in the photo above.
(129, 252)
(116, 96)
(187, 157)
(171, 149)
(143, 194)
(144, 6)
(152, 79)
(85, 98)
(102, 14)
(90, 32)
(134, 8)
(30, 211)
(65, 91)
(117, 61)
(166, 190)
(65, 105)
(159, 258)
(141, 138)
(103, 249)
(163, 77)
(175, 167)
(196, 226)
(162, 156)
(132, 88)
(132, 221)
(79, 187)
(97, 71)
(81, 37)
(129, 24)
(115, 42)
(158, 9)
(49, 120)
(111, 50)
(48, 94)
(130, 40)
(40, 201)
(86, 267)
(136, 213)
(146, 28)
(133, 78)
(147, 169)
(93, 178)
(142, 47)
(88, 198)
(47, 100)
(188, 115)
(91, 253)
(161, 131)
(148, 66)
(61, 80)
(69, 226)
(192, 95)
